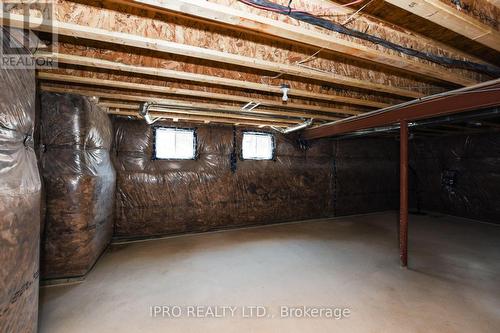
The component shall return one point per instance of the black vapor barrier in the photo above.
(79, 178)
(366, 175)
(457, 175)
(217, 189)
(20, 190)
(220, 189)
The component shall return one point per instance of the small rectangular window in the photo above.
(175, 143)
(257, 146)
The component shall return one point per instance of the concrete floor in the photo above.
(452, 285)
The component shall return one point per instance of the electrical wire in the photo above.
(320, 22)
(356, 12)
(299, 63)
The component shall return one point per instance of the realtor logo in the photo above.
(28, 35)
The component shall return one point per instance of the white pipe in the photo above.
(144, 112)
(295, 128)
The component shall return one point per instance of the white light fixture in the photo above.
(284, 89)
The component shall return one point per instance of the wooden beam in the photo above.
(480, 96)
(239, 20)
(410, 35)
(198, 78)
(218, 113)
(452, 19)
(182, 104)
(202, 119)
(187, 92)
(135, 106)
(163, 46)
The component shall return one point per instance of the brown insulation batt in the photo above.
(19, 200)
(366, 175)
(457, 175)
(80, 180)
(157, 197)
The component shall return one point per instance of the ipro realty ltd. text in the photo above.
(248, 311)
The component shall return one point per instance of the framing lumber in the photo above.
(239, 20)
(135, 106)
(194, 118)
(141, 42)
(187, 92)
(198, 78)
(450, 18)
(480, 96)
(414, 36)
(184, 104)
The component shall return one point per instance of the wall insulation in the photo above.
(457, 175)
(367, 175)
(76, 137)
(19, 199)
(158, 197)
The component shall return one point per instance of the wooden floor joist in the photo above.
(200, 78)
(240, 20)
(141, 42)
(452, 19)
(235, 117)
(195, 118)
(186, 92)
(184, 104)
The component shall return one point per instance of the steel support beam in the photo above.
(480, 96)
(403, 189)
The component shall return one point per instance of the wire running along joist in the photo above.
(326, 24)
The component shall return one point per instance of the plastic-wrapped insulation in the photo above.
(20, 190)
(80, 184)
(458, 175)
(326, 24)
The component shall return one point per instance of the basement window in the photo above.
(174, 143)
(257, 146)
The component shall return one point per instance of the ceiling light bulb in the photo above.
(284, 89)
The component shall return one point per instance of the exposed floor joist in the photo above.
(185, 104)
(410, 35)
(226, 111)
(452, 19)
(186, 92)
(240, 20)
(203, 119)
(235, 117)
(199, 78)
(141, 42)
